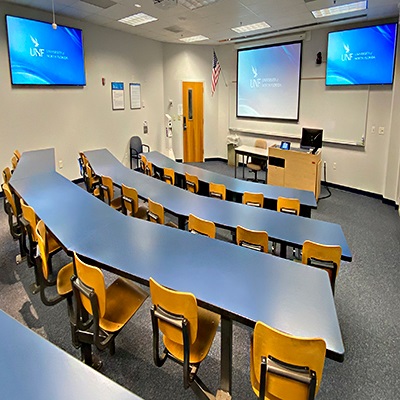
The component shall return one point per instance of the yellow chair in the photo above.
(255, 240)
(110, 307)
(257, 164)
(253, 199)
(108, 193)
(14, 162)
(188, 331)
(62, 281)
(149, 169)
(6, 179)
(288, 206)
(169, 176)
(130, 203)
(12, 212)
(326, 257)
(284, 366)
(217, 190)
(201, 226)
(92, 181)
(191, 183)
(17, 154)
(156, 214)
(143, 163)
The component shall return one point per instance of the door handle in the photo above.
(184, 123)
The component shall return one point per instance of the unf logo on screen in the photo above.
(347, 56)
(35, 52)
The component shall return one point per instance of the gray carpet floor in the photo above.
(367, 301)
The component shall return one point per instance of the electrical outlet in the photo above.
(334, 165)
(381, 130)
(60, 164)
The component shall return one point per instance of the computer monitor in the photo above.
(311, 138)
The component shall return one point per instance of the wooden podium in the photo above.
(295, 169)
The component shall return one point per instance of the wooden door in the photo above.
(193, 121)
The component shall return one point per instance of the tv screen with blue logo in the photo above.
(41, 55)
(268, 81)
(362, 56)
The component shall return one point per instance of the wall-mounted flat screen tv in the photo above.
(41, 55)
(268, 81)
(362, 56)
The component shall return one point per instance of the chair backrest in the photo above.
(14, 162)
(91, 177)
(255, 240)
(169, 176)
(253, 199)
(29, 214)
(107, 188)
(178, 303)
(192, 183)
(143, 163)
(136, 144)
(41, 236)
(17, 154)
(130, 200)
(322, 256)
(156, 212)
(202, 226)
(260, 143)
(217, 190)
(288, 206)
(93, 278)
(6, 174)
(285, 349)
(149, 168)
(10, 199)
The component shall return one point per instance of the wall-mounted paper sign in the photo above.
(134, 91)
(117, 94)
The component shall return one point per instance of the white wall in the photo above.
(72, 119)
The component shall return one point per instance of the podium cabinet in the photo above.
(295, 169)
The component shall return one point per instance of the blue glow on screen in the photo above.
(363, 56)
(268, 81)
(41, 55)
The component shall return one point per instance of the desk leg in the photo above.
(235, 163)
(283, 250)
(181, 222)
(224, 393)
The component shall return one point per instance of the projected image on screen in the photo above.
(268, 81)
(41, 55)
(362, 56)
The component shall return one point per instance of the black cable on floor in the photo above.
(326, 186)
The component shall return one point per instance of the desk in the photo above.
(32, 367)
(235, 187)
(250, 151)
(295, 169)
(224, 214)
(290, 297)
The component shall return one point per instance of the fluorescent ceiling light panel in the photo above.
(194, 4)
(345, 8)
(197, 38)
(137, 19)
(252, 27)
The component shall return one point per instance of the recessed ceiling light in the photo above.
(344, 8)
(193, 4)
(137, 19)
(251, 27)
(138, 5)
(197, 38)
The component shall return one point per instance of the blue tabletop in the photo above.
(283, 228)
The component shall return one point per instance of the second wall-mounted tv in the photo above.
(41, 55)
(362, 56)
(268, 81)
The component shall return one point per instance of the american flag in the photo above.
(216, 69)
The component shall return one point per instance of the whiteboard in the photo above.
(340, 111)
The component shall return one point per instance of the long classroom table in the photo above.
(288, 230)
(32, 367)
(246, 286)
(235, 187)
